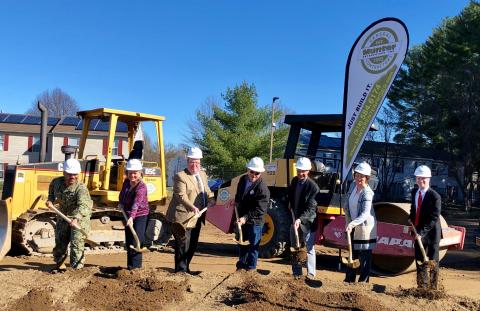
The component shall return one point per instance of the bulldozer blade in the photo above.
(5, 226)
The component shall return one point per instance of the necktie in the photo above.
(201, 188)
(419, 206)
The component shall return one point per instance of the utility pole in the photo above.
(273, 127)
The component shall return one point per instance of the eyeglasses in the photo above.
(254, 173)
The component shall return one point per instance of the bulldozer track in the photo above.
(42, 222)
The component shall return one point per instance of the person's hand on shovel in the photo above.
(296, 224)
(349, 228)
(241, 221)
(130, 222)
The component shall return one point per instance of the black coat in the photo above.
(254, 203)
(306, 210)
(428, 227)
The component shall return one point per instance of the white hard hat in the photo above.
(304, 164)
(423, 171)
(364, 169)
(256, 165)
(134, 165)
(194, 153)
(72, 166)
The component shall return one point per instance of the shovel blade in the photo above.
(139, 250)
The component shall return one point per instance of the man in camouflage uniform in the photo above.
(75, 202)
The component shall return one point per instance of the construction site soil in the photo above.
(105, 284)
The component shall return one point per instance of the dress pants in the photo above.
(365, 257)
(134, 259)
(185, 247)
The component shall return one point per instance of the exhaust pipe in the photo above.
(43, 131)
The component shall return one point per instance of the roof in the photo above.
(324, 123)
(126, 116)
(25, 119)
(375, 147)
(54, 122)
(316, 122)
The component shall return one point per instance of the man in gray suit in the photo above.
(191, 194)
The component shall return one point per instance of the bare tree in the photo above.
(57, 102)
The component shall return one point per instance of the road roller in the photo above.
(394, 253)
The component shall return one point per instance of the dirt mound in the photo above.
(139, 290)
(278, 294)
(430, 294)
(35, 300)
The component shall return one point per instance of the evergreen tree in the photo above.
(232, 133)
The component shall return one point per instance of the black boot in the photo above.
(422, 276)
(434, 271)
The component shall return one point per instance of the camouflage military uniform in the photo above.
(75, 202)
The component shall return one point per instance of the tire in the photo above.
(275, 230)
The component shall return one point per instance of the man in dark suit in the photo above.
(190, 195)
(425, 215)
(252, 199)
(301, 195)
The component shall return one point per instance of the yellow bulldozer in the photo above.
(25, 222)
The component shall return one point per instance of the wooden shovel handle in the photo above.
(419, 241)
(132, 230)
(349, 242)
(297, 238)
(67, 219)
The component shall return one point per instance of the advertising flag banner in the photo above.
(373, 63)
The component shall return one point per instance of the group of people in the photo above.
(192, 196)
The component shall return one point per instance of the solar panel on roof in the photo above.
(14, 118)
(52, 121)
(71, 121)
(102, 126)
(3, 116)
(122, 127)
(32, 120)
(93, 124)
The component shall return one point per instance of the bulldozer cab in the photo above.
(111, 173)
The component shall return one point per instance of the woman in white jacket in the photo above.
(361, 223)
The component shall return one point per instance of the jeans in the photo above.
(134, 259)
(249, 253)
(305, 235)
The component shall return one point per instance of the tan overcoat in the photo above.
(186, 196)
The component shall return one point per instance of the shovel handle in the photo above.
(349, 241)
(297, 238)
(132, 230)
(239, 226)
(67, 219)
(418, 238)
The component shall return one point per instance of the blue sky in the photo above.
(169, 57)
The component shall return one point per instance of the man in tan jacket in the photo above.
(191, 194)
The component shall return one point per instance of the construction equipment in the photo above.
(394, 253)
(27, 225)
(138, 246)
(349, 262)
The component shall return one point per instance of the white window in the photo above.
(1, 142)
(36, 144)
(73, 141)
(115, 147)
(2, 166)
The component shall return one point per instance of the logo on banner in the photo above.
(379, 50)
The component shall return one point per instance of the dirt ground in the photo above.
(104, 285)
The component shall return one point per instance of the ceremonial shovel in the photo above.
(349, 262)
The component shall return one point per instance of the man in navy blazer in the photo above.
(425, 215)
